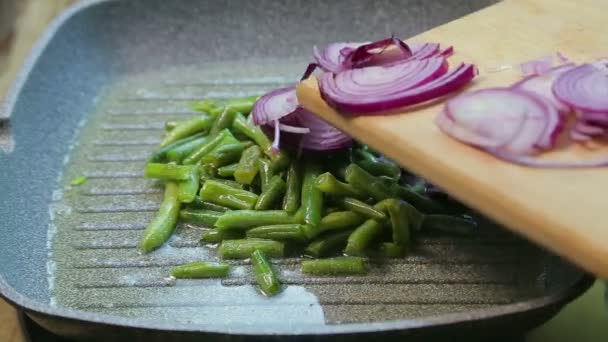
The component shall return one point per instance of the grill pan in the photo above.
(91, 101)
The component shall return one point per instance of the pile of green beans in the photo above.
(221, 174)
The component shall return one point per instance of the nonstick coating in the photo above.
(104, 53)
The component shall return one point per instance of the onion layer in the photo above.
(584, 87)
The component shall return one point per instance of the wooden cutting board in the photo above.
(565, 211)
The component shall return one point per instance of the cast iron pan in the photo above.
(91, 102)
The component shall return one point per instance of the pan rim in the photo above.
(14, 297)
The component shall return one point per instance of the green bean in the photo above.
(312, 198)
(222, 121)
(178, 153)
(292, 231)
(334, 266)
(241, 104)
(212, 143)
(273, 192)
(361, 238)
(291, 201)
(419, 186)
(245, 219)
(188, 188)
(328, 184)
(247, 168)
(228, 182)
(328, 244)
(201, 216)
(242, 249)
(206, 106)
(392, 250)
(378, 166)
(362, 208)
(265, 274)
(279, 161)
(160, 155)
(187, 128)
(228, 170)
(334, 221)
(168, 171)
(222, 194)
(366, 183)
(215, 236)
(449, 224)
(399, 221)
(200, 204)
(265, 172)
(161, 227)
(256, 134)
(223, 155)
(421, 202)
(201, 269)
(169, 125)
(414, 216)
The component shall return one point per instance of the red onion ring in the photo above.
(358, 97)
(331, 57)
(274, 105)
(542, 85)
(584, 87)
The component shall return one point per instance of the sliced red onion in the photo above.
(357, 96)
(322, 136)
(500, 120)
(578, 136)
(584, 87)
(537, 66)
(331, 57)
(294, 129)
(274, 105)
(588, 128)
(277, 136)
(376, 53)
(426, 50)
(542, 85)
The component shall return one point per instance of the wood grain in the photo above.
(34, 17)
(563, 210)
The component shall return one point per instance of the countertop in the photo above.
(583, 320)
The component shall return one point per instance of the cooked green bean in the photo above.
(178, 153)
(279, 161)
(241, 104)
(265, 172)
(214, 235)
(291, 201)
(223, 155)
(227, 171)
(200, 204)
(247, 167)
(188, 188)
(291, 231)
(392, 250)
(366, 183)
(242, 249)
(449, 224)
(328, 184)
(222, 121)
(168, 171)
(187, 128)
(378, 166)
(207, 106)
(160, 155)
(222, 194)
(265, 274)
(362, 208)
(312, 198)
(334, 221)
(212, 143)
(421, 202)
(254, 133)
(245, 219)
(328, 244)
(161, 227)
(200, 216)
(273, 192)
(201, 269)
(362, 237)
(334, 266)
(229, 182)
(399, 218)
(169, 125)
